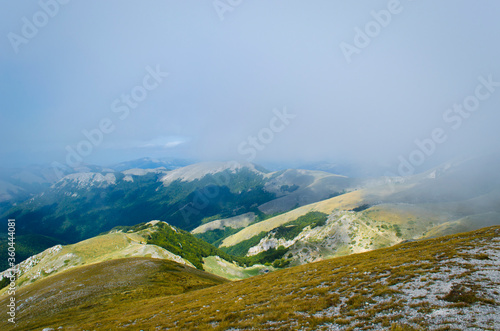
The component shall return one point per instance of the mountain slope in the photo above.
(343, 202)
(106, 247)
(154, 239)
(150, 163)
(105, 285)
(451, 281)
(451, 198)
(229, 204)
(26, 246)
(82, 205)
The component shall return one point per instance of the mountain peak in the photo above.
(200, 170)
(86, 179)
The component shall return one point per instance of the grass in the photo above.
(345, 202)
(293, 298)
(87, 290)
(465, 293)
(26, 246)
(232, 271)
(292, 229)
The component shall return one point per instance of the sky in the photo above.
(401, 85)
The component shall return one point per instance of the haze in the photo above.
(236, 67)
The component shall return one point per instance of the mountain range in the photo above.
(246, 209)
(227, 221)
(83, 204)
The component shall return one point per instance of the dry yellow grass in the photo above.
(94, 250)
(80, 292)
(344, 202)
(345, 291)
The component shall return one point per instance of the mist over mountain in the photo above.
(459, 194)
(247, 92)
(250, 165)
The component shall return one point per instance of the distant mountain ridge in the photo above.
(213, 196)
(455, 197)
(82, 205)
(151, 163)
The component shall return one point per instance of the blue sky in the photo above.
(228, 77)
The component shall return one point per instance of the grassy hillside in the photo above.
(94, 250)
(154, 239)
(384, 212)
(26, 246)
(345, 202)
(73, 294)
(184, 244)
(443, 283)
(232, 271)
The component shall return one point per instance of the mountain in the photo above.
(17, 185)
(82, 205)
(154, 239)
(247, 210)
(448, 281)
(150, 163)
(454, 197)
(114, 245)
(103, 285)
(20, 184)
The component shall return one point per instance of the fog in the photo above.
(394, 85)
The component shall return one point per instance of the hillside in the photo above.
(222, 203)
(104, 285)
(449, 199)
(154, 239)
(428, 284)
(82, 205)
(344, 202)
(102, 248)
(26, 246)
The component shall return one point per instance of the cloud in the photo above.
(156, 143)
(162, 142)
(227, 77)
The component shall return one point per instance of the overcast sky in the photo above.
(299, 76)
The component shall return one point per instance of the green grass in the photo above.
(184, 244)
(292, 229)
(216, 236)
(232, 271)
(241, 249)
